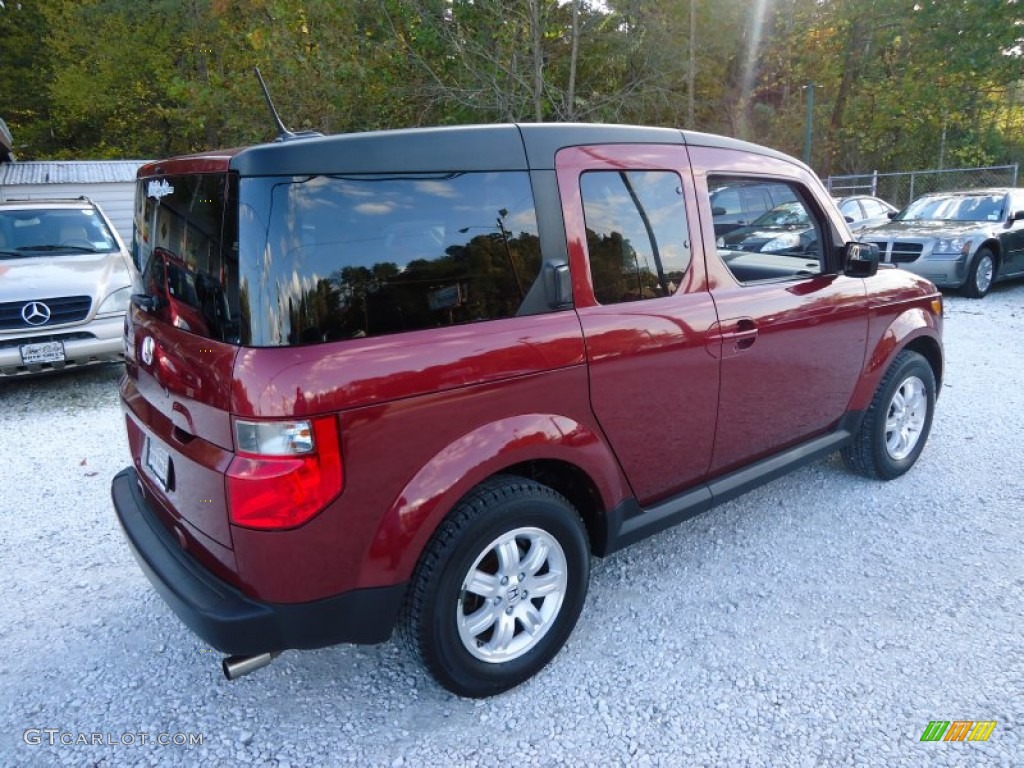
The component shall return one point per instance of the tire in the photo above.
(513, 554)
(898, 421)
(981, 275)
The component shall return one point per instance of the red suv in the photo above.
(417, 378)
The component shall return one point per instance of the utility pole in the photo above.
(691, 73)
(810, 120)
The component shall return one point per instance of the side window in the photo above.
(851, 209)
(726, 202)
(368, 255)
(637, 235)
(872, 208)
(782, 243)
(1016, 203)
(755, 202)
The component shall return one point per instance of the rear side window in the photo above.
(327, 258)
(637, 236)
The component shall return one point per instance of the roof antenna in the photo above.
(283, 133)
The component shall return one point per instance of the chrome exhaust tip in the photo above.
(236, 666)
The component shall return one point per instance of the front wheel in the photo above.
(981, 275)
(896, 425)
(499, 587)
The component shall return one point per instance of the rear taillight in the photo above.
(285, 472)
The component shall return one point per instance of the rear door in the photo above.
(181, 347)
(642, 300)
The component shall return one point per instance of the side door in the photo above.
(1014, 238)
(641, 296)
(792, 328)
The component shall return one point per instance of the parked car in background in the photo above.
(65, 283)
(967, 240)
(862, 211)
(786, 228)
(736, 204)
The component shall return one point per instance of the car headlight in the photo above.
(952, 246)
(781, 243)
(118, 301)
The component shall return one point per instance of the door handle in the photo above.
(741, 335)
(726, 339)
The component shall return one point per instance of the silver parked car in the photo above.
(66, 280)
(967, 240)
(862, 211)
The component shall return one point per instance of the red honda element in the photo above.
(417, 378)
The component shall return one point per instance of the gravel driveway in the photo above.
(822, 620)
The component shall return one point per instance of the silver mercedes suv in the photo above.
(66, 280)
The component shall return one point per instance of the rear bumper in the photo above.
(231, 621)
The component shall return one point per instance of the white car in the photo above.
(66, 280)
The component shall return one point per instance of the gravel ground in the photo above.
(822, 620)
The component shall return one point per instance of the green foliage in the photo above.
(899, 84)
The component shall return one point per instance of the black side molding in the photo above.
(628, 522)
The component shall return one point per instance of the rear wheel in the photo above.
(981, 275)
(896, 425)
(499, 587)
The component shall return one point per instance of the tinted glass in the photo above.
(329, 258)
(637, 236)
(186, 244)
(42, 231)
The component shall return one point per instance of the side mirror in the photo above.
(146, 302)
(891, 214)
(1017, 216)
(849, 219)
(718, 211)
(860, 259)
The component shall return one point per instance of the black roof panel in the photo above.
(457, 148)
(413, 150)
(543, 140)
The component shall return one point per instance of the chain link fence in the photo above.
(900, 188)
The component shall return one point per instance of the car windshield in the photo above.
(986, 207)
(42, 231)
(785, 215)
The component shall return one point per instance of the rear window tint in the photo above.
(343, 257)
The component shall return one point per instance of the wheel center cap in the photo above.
(513, 594)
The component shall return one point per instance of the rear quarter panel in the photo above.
(423, 417)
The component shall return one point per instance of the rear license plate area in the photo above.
(158, 461)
